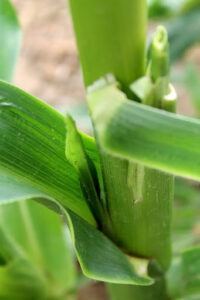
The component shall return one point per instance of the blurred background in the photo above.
(48, 66)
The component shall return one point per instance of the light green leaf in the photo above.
(12, 189)
(146, 135)
(18, 281)
(32, 148)
(17, 273)
(10, 39)
(191, 271)
(34, 241)
(183, 277)
(99, 258)
(192, 83)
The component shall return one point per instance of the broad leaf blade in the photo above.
(12, 189)
(10, 39)
(149, 136)
(32, 147)
(99, 258)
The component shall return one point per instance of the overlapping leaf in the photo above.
(32, 147)
(100, 259)
(155, 138)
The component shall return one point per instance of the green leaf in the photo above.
(192, 83)
(18, 281)
(17, 273)
(180, 42)
(99, 258)
(76, 154)
(115, 33)
(34, 243)
(32, 148)
(10, 39)
(144, 195)
(146, 135)
(12, 190)
(191, 271)
(184, 275)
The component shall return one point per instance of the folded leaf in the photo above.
(99, 258)
(76, 154)
(146, 135)
(32, 148)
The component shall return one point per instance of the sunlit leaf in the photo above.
(32, 148)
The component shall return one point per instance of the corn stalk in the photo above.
(111, 37)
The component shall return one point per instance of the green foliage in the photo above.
(10, 39)
(101, 260)
(36, 258)
(115, 196)
(175, 138)
(192, 83)
(184, 33)
(32, 143)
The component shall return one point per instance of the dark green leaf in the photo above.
(76, 154)
(179, 41)
(99, 258)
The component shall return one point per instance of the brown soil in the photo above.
(93, 292)
(48, 66)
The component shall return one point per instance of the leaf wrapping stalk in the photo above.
(139, 205)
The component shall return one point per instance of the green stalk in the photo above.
(111, 39)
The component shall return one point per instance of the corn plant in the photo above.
(36, 257)
(115, 191)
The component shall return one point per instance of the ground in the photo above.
(48, 66)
